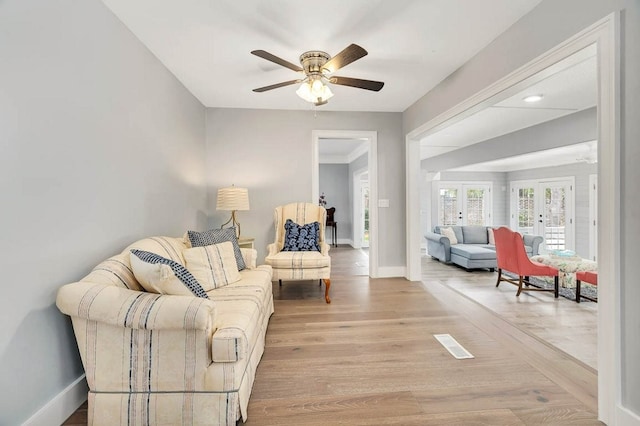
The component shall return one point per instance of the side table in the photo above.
(246, 242)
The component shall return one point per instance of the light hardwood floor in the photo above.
(370, 358)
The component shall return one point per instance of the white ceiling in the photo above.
(572, 88)
(412, 44)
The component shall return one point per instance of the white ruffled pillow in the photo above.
(157, 274)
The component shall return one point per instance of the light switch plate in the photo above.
(383, 203)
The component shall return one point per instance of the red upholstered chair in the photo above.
(512, 256)
(587, 277)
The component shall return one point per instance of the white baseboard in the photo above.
(625, 417)
(391, 271)
(63, 405)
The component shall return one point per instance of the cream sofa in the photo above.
(164, 359)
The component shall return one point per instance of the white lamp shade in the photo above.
(233, 198)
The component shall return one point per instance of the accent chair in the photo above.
(297, 264)
(511, 256)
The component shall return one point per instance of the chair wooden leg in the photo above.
(519, 286)
(327, 283)
(526, 281)
(499, 277)
(556, 290)
(577, 291)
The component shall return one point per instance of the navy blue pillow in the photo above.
(301, 237)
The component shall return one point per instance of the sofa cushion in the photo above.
(161, 275)
(213, 266)
(301, 237)
(448, 232)
(217, 236)
(473, 252)
(475, 235)
(299, 259)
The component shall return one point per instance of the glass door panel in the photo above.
(449, 212)
(464, 204)
(554, 216)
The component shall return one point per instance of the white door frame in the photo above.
(606, 35)
(371, 137)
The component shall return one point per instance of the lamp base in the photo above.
(234, 223)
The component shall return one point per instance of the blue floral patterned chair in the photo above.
(300, 251)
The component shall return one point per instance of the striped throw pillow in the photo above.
(214, 266)
(217, 236)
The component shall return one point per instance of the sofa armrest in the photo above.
(438, 246)
(437, 238)
(250, 257)
(534, 242)
(126, 308)
(324, 248)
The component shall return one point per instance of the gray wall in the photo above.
(239, 142)
(334, 182)
(546, 26)
(100, 146)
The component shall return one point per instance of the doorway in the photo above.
(603, 34)
(464, 203)
(545, 208)
(370, 140)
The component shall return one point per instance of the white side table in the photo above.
(246, 242)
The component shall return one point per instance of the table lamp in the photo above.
(233, 198)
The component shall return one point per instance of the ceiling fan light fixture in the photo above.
(314, 91)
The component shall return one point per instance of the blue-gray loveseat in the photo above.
(473, 249)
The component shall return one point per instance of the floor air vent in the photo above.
(452, 345)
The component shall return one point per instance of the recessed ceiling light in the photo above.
(533, 98)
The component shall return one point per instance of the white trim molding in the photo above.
(605, 34)
(63, 405)
(392, 272)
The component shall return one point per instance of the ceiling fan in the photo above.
(318, 68)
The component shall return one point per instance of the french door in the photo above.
(464, 203)
(545, 208)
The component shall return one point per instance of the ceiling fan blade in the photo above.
(269, 57)
(356, 82)
(275, 86)
(351, 53)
